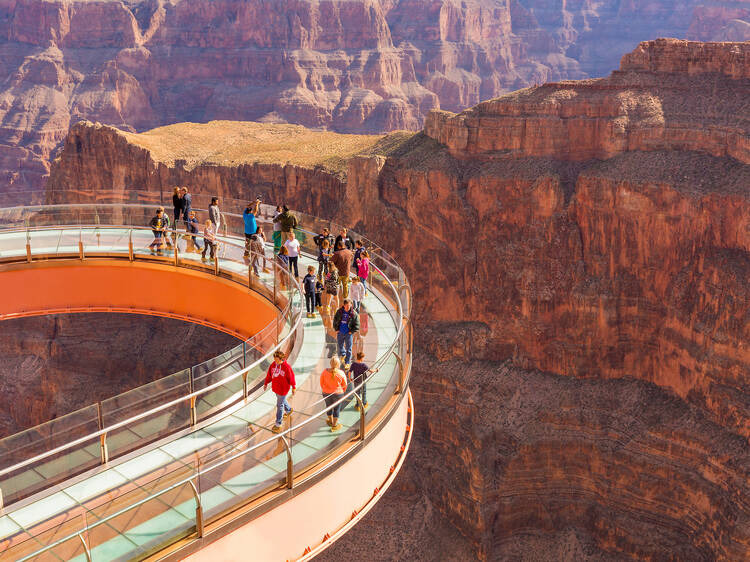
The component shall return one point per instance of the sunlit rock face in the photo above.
(579, 254)
(346, 65)
(53, 365)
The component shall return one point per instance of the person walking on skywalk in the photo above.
(250, 218)
(333, 385)
(346, 324)
(281, 377)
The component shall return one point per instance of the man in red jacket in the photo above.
(281, 377)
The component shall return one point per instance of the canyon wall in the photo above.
(63, 362)
(579, 254)
(345, 65)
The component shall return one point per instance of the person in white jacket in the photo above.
(357, 293)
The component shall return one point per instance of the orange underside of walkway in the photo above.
(137, 287)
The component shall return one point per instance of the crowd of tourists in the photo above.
(338, 283)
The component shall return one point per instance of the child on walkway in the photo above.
(319, 293)
(308, 284)
(282, 261)
(357, 293)
(357, 374)
(363, 268)
(324, 256)
(332, 288)
(281, 377)
(157, 228)
(209, 237)
(192, 227)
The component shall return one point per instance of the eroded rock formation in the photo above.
(579, 254)
(347, 65)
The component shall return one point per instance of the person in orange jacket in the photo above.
(333, 383)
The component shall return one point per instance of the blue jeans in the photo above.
(364, 282)
(363, 390)
(355, 305)
(330, 399)
(282, 407)
(344, 342)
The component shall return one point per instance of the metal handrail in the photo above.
(161, 407)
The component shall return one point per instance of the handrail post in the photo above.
(400, 387)
(289, 463)
(216, 263)
(193, 413)
(85, 547)
(80, 244)
(176, 251)
(361, 416)
(244, 380)
(2, 503)
(130, 244)
(103, 448)
(28, 246)
(198, 510)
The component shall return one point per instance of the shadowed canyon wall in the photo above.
(347, 65)
(579, 253)
(55, 364)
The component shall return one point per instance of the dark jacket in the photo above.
(177, 203)
(187, 205)
(287, 220)
(319, 240)
(353, 320)
(157, 223)
(348, 242)
(192, 225)
(308, 283)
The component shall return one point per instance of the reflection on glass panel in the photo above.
(45, 437)
(148, 515)
(142, 399)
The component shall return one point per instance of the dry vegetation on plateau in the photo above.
(236, 142)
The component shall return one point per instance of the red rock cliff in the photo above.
(579, 254)
(347, 65)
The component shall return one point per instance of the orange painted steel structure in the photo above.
(137, 287)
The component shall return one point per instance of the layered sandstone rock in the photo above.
(345, 65)
(579, 254)
(643, 106)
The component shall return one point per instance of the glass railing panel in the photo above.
(142, 399)
(104, 240)
(13, 245)
(25, 544)
(45, 437)
(239, 475)
(222, 395)
(148, 516)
